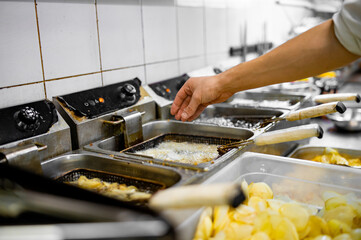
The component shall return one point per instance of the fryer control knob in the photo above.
(27, 119)
(128, 93)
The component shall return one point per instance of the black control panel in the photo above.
(27, 120)
(99, 101)
(169, 88)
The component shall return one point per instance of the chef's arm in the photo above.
(313, 52)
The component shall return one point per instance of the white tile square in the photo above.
(69, 37)
(161, 71)
(22, 94)
(216, 30)
(235, 27)
(19, 45)
(122, 75)
(120, 33)
(71, 85)
(160, 30)
(215, 59)
(190, 31)
(191, 64)
(190, 3)
(215, 3)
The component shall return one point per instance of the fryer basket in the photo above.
(153, 142)
(142, 184)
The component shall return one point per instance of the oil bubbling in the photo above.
(182, 152)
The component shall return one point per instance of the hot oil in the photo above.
(182, 152)
(227, 122)
(263, 103)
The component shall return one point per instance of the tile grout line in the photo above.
(177, 33)
(72, 76)
(143, 40)
(106, 70)
(98, 33)
(205, 33)
(20, 85)
(40, 49)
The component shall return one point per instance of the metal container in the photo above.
(268, 100)
(153, 129)
(100, 112)
(309, 152)
(37, 207)
(293, 87)
(297, 179)
(240, 117)
(348, 121)
(38, 134)
(229, 115)
(59, 166)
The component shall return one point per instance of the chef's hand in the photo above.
(196, 94)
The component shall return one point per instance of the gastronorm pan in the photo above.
(46, 207)
(113, 146)
(67, 168)
(349, 121)
(241, 117)
(267, 100)
(304, 113)
(309, 152)
(180, 138)
(298, 180)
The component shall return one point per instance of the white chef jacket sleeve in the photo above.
(348, 26)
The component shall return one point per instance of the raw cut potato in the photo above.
(263, 218)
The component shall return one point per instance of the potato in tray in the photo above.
(265, 217)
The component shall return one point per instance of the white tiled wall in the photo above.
(68, 35)
(160, 30)
(155, 72)
(190, 64)
(191, 31)
(119, 46)
(115, 76)
(19, 45)
(70, 85)
(48, 48)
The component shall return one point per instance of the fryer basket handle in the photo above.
(289, 134)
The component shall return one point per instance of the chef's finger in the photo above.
(179, 99)
(181, 109)
(192, 107)
(197, 113)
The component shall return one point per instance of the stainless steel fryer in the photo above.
(31, 133)
(179, 138)
(240, 117)
(146, 178)
(294, 100)
(155, 128)
(60, 166)
(106, 111)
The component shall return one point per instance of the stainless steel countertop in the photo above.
(334, 137)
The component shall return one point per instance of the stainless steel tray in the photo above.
(300, 180)
(349, 121)
(110, 146)
(228, 116)
(309, 152)
(63, 164)
(296, 100)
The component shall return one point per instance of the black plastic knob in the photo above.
(27, 119)
(128, 89)
(128, 93)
